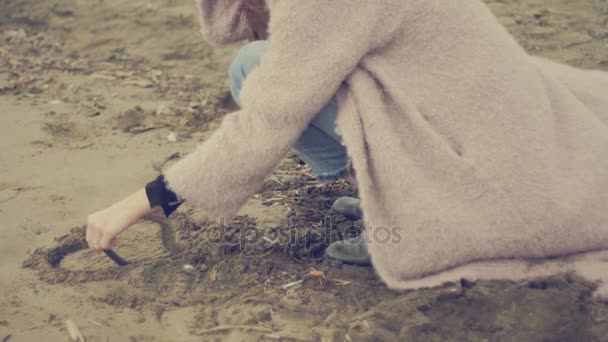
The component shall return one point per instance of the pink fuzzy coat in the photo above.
(492, 163)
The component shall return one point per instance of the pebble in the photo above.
(188, 268)
(171, 137)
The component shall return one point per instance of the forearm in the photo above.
(138, 203)
(104, 226)
(225, 170)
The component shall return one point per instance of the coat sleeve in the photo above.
(314, 45)
(222, 21)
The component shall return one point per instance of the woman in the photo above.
(482, 157)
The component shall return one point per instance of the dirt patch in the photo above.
(217, 253)
(257, 277)
(62, 129)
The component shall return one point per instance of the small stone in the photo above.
(171, 137)
(213, 275)
(188, 268)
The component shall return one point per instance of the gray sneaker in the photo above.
(350, 251)
(349, 207)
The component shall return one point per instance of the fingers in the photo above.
(95, 241)
(103, 227)
(93, 236)
(107, 241)
(88, 234)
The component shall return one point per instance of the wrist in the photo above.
(159, 195)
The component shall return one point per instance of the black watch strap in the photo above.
(159, 195)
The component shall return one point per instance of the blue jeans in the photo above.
(319, 146)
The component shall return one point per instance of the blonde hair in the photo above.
(256, 15)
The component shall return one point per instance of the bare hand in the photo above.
(104, 226)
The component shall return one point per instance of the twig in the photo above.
(340, 282)
(308, 174)
(82, 147)
(292, 284)
(271, 200)
(240, 327)
(273, 336)
(330, 317)
(138, 130)
(356, 301)
(276, 179)
(98, 324)
(277, 337)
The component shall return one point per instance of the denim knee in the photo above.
(319, 145)
(247, 59)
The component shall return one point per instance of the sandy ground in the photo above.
(90, 91)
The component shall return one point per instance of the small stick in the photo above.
(356, 301)
(138, 130)
(241, 327)
(98, 324)
(116, 258)
(292, 284)
(271, 200)
(340, 282)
